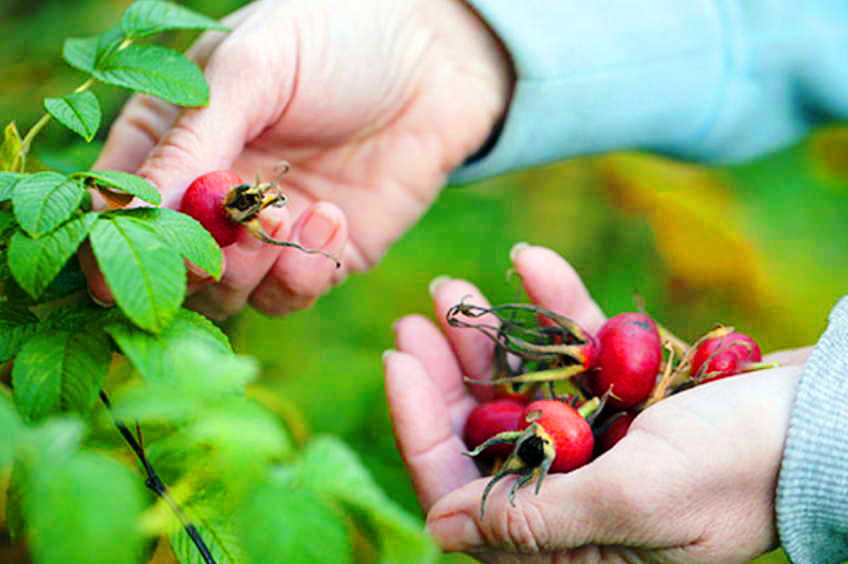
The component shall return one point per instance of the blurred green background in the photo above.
(762, 246)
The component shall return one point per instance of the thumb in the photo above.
(603, 503)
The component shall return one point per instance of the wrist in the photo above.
(477, 50)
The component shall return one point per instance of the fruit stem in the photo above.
(551, 375)
(590, 407)
(661, 388)
(680, 346)
(154, 482)
(255, 227)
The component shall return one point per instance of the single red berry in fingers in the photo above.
(491, 418)
(204, 201)
(224, 204)
(724, 355)
(628, 361)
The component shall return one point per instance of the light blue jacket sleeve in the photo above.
(708, 80)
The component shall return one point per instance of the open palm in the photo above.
(372, 102)
(693, 481)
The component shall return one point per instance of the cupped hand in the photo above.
(373, 103)
(693, 481)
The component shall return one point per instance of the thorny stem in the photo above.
(155, 484)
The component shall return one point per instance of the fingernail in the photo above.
(319, 228)
(437, 281)
(516, 250)
(455, 532)
(387, 353)
(97, 300)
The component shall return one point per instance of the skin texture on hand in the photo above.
(372, 102)
(693, 481)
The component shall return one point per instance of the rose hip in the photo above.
(723, 356)
(628, 361)
(204, 201)
(615, 430)
(489, 419)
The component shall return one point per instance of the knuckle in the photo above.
(522, 528)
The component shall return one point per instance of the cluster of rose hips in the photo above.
(564, 396)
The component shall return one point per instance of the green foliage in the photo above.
(281, 524)
(124, 182)
(8, 180)
(35, 263)
(45, 200)
(157, 71)
(11, 425)
(146, 276)
(189, 238)
(79, 112)
(87, 505)
(17, 324)
(149, 17)
(330, 469)
(58, 365)
(154, 356)
(223, 542)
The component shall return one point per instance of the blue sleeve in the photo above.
(707, 80)
(812, 493)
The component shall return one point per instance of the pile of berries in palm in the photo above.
(564, 396)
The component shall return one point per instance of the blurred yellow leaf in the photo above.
(697, 223)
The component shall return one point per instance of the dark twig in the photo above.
(155, 484)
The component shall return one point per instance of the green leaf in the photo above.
(90, 505)
(125, 182)
(279, 524)
(36, 262)
(81, 53)
(155, 70)
(43, 201)
(7, 223)
(60, 365)
(153, 355)
(37, 375)
(79, 112)
(331, 469)
(88, 356)
(11, 425)
(188, 237)
(8, 180)
(17, 324)
(146, 276)
(10, 149)
(85, 53)
(149, 17)
(218, 534)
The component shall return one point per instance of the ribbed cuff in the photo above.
(600, 76)
(812, 494)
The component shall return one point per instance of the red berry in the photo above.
(571, 435)
(724, 356)
(615, 430)
(204, 201)
(628, 361)
(488, 419)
